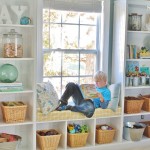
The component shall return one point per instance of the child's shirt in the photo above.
(106, 95)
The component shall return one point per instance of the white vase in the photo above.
(143, 80)
(135, 81)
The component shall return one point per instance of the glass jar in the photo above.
(12, 44)
(135, 23)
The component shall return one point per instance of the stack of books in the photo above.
(133, 52)
(11, 87)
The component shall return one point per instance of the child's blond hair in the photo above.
(99, 75)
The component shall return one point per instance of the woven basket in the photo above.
(146, 105)
(77, 139)
(104, 136)
(48, 142)
(133, 105)
(14, 113)
(147, 129)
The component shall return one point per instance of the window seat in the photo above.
(69, 115)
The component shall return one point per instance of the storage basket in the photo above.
(133, 105)
(13, 113)
(77, 139)
(147, 129)
(104, 136)
(14, 145)
(146, 104)
(133, 134)
(48, 142)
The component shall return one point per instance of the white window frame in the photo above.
(104, 47)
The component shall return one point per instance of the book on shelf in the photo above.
(16, 84)
(132, 52)
(11, 89)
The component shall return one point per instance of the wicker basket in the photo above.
(147, 129)
(77, 139)
(104, 136)
(14, 113)
(133, 105)
(48, 142)
(146, 105)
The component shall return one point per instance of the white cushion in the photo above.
(115, 96)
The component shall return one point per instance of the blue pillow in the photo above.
(115, 96)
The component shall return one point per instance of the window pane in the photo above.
(55, 36)
(70, 36)
(45, 15)
(87, 37)
(56, 83)
(87, 64)
(88, 18)
(55, 16)
(66, 80)
(52, 64)
(70, 64)
(46, 35)
(70, 17)
(86, 80)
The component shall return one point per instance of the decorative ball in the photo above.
(8, 73)
(25, 20)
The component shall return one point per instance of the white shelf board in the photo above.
(16, 25)
(138, 59)
(17, 59)
(139, 32)
(137, 114)
(50, 121)
(108, 144)
(138, 3)
(137, 87)
(26, 122)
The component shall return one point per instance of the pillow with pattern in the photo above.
(47, 97)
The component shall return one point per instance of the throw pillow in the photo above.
(47, 97)
(115, 96)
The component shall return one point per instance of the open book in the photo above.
(88, 91)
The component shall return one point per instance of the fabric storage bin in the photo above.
(133, 105)
(14, 113)
(5, 144)
(133, 134)
(48, 142)
(104, 136)
(77, 139)
(146, 104)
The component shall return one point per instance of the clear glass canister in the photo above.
(135, 22)
(12, 44)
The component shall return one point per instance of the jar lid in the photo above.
(12, 33)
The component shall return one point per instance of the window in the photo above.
(70, 46)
